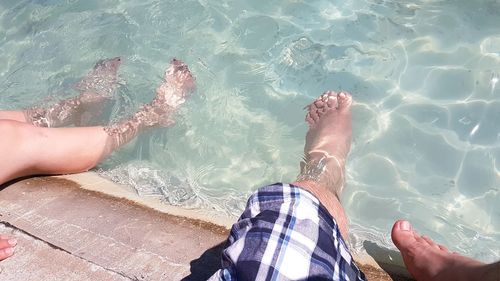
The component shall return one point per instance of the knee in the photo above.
(18, 139)
(10, 131)
(17, 133)
(12, 148)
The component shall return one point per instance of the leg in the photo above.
(171, 94)
(95, 88)
(6, 247)
(327, 145)
(428, 261)
(284, 232)
(29, 150)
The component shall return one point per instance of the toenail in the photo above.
(12, 242)
(405, 226)
(9, 251)
(319, 103)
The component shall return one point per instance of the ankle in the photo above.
(324, 169)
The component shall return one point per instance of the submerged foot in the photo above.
(179, 82)
(170, 95)
(328, 140)
(428, 261)
(96, 87)
(101, 82)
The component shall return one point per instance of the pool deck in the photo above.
(83, 227)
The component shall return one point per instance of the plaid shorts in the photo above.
(286, 234)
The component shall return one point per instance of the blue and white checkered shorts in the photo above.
(286, 234)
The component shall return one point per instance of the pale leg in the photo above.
(98, 86)
(327, 145)
(29, 150)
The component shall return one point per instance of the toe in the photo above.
(443, 248)
(6, 242)
(319, 103)
(314, 115)
(402, 235)
(344, 100)
(332, 101)
(430, 242)
(309, 119)
(326, 95)
(5, 253)
(175, 61)
(312, 111)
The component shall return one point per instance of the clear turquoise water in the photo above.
(423, 74)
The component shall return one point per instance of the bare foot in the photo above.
(328, 140)
(179, 82)
(97, 86)
(170, 95)
(428, 261)
(6, 247)
(101, 82)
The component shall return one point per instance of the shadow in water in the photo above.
(206, 265)
(389, 260)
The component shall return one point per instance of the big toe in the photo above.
(344, 100)
(402, 235)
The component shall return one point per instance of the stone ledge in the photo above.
(84, 227)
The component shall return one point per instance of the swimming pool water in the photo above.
(424, 76)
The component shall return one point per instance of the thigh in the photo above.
(285, 234)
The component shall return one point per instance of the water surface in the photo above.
(423, 74)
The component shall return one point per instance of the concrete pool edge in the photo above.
(378, 264)
(46, 210)
(92, 181)
(66, 232)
